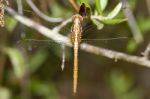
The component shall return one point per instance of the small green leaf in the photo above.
(103, 4)
(132, 46)
(37, 60)
(115, 11)
(10, 23)
(113, 21)
(98, 6)
(98, 24)
(144, 24)
(17, 60)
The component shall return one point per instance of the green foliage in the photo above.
(101, 5)
(113, 21)
(132, 46)
(17, 60)
(37, 60)
(46, 90)
(144, 24)
(10, 23)
(121, 85)
(111, 17)
(98, 24)
(115, 11)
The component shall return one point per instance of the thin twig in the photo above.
(44, 31)
(74, 5)
(137, 35)
(42, 15)
(20, 11)
(146, 53)
(20, 7)
(60, 26)
(86, 47)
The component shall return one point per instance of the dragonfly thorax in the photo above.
(76, 29)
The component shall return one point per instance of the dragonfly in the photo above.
(76, 39)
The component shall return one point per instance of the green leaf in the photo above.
(17, 61)
(98, 6)
(113, 21)
(115, 11)
(132, 46)
(37, 60)
(98, 24)
(144, 24)
(10, 23)
(103, 4)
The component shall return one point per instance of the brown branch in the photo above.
(137, 35)
(74, 5)
(146, 53)
(54, 35)
(42, 15)
(116, 55)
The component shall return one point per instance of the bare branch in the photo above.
(137, 35)
(74, 5)
(20, 11)
(86, 47)
(42, 15)
(146, 53)
(116, 55)
(64, 23)
(43, 30)
(20, 7)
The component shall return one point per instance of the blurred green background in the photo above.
(32, 70)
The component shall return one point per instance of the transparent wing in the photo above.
(60, 50)
(116, 43)
(33, 45)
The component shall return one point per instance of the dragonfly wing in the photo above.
(33, 45)
(112, 43)
(105, 39)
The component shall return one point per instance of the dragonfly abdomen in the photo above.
(75, 68)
